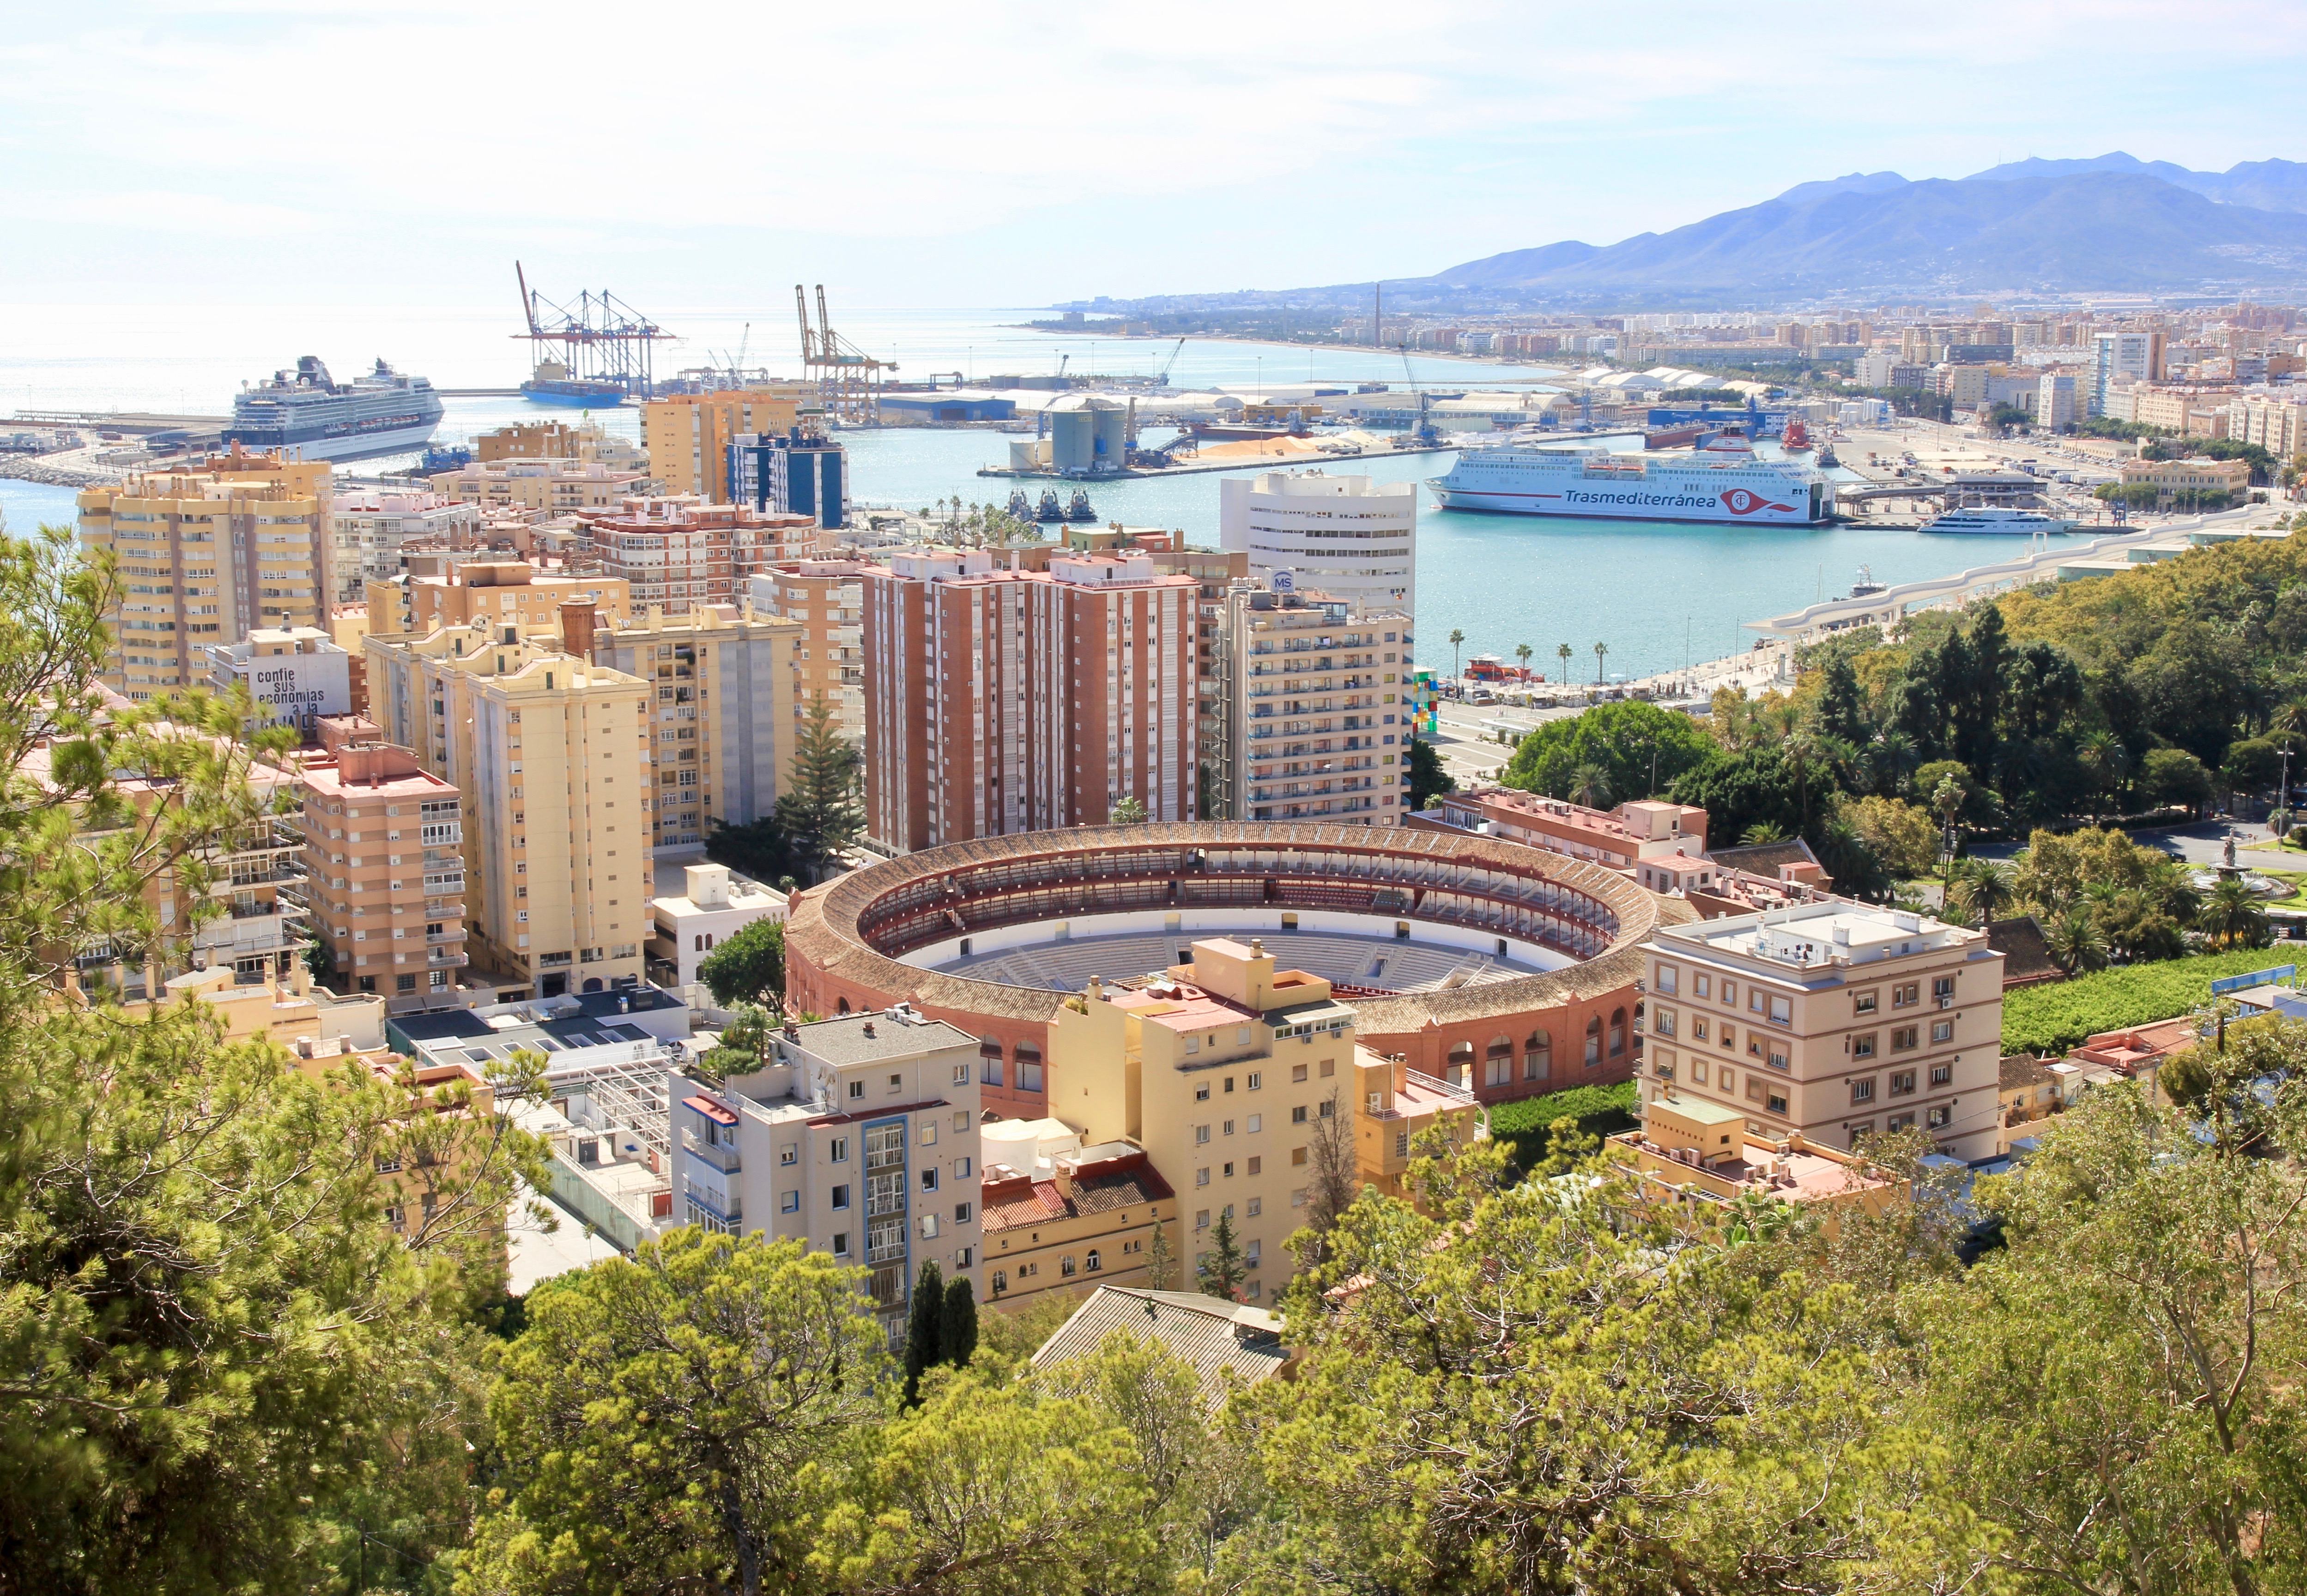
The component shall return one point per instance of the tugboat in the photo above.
(1079, 510)
(1021, 506)
(1796, 437)
(1865, 586)
(443, 458)
(1827, 456)
(1050, 510)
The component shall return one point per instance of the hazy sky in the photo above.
(407, 150)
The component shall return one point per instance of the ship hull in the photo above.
(1609, 506)
(345, 446)
(575, 397)
(1595, 485)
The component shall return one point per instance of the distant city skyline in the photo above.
(926, 157)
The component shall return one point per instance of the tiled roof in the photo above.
(1212, 1335)
(2022, 1069)
(1044, 1204)
(1764, 859)
(2026, 951)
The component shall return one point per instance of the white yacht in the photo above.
(2005, 522)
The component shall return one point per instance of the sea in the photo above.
(1659, 596)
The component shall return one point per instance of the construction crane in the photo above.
(596, 337)
(1162, 378)
(848, 379)
(1423, 434)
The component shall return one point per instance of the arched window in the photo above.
(844, 1007)
(594, 984)
(1538, 1055)
(1594, 1041)
(1092, 1262)
(1618, 1031)
(700, 943)
(1462, 1063)
(1066, 1265)
(1497, 1061)
(1000, 1280)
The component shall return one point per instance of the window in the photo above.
(1776, 1104)
(1401, 1144)
(1903, 1037)
(789, 1153)
(1863, 1047)
(1066, 1265)
(1229, 1083)
(1726, 1080)
(1202, 1092)
(1940, 1116)
(1698, 1032)
(1538, 1055)
(1902, 1082)
(1297, 1072)
(841, 1197)
(841, 1244)
(1202, 1176)
(856, 1089)
(1942, 990)
(1777, 1061)
(1666, 979)
(1201, 1135)
(1256, 1124)
(1698, 987)
(1782, 1011)
(1298, 1198)
(1941, 1074)
(1942, 1030)
(1298, 1115)
(1327, 1109)
(929, 1133)
(1329, 1067)
(1698, 1071)
(1899, 1122)
(961, 1169)
(1227, 1170)
(1663, 1022)
(930, 1179)
(1250, 1252)
(1000, 1280)
(1256, 1165)
(897, 1083)
(1863, 1091)
(1091, 1261)
(1257, 1205)
(837, 1151)
(1730, 993)
(1252, 1081)
(1905, 997)
(790, 1202)
(1863, 1003)
(1201, 1219)
(1227, 1129)
(1297, 1158)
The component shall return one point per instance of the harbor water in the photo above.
(1660, 596)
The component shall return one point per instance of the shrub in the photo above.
(2051, 1019)
(1599, 1110)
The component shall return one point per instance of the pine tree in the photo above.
(1221, 1269)
(1161, 1268)
(957, 1332)
(921, 1328)
(819, 810)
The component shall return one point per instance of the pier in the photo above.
(1240, 462)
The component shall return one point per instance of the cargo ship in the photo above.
(1591, 483)
(306, 415)
(553, 385)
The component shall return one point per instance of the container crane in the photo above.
(849, 379)
(1424, 433)
(1162, 378)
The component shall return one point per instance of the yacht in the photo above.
(2004, 522)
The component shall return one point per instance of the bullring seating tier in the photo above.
(1377, 963)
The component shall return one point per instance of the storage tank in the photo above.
(1013, 1142)
(1088, 433)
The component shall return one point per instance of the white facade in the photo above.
(2054, 400)
(859, 1136)
(296, 676)
(367, 529)
(2120, 359)
(1349, 536)
(711, 907)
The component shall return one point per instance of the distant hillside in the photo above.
(2094, 230)
(2262, 184)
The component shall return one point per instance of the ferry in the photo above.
(308, 415)
(2005, 522)
(1592, 482)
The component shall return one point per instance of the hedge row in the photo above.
(2055, 1017)
(1599, 1110)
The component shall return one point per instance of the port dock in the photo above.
(1240, 462)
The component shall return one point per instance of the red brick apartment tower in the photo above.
(1003, 702)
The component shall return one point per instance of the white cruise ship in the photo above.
(307, 415)
(1663, 485)
(2004, 521)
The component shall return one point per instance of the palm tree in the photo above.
(1983, 887)
(1760, 832)
(1522, 651)
(1601, 651)
(1589, 786)
(2171, 888)
(2102, 754)
(2234, 916)
(1564, 654)
(2076, 943)
(1457, 641)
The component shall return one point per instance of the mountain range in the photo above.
(2112, 224)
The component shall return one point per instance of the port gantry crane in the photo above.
(1423, 434)
(848, 379)
(597, 336)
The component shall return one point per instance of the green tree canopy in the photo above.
(1619, 740)
(747, 967)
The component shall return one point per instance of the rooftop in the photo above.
(1814, 935)
(1214, 1336)
(898, 1033)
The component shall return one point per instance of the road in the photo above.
(2203, 844)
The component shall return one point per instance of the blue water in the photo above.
(1659, 595)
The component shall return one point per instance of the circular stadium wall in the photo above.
(1507, 969)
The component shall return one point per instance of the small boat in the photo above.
(1995, 521)
(1796, 437)
(1021, 506)
(1049, 510)
(1079, 510)
(1866, 586)
(1827, 456)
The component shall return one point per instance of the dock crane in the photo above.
(1423, 434)
(849, 379)
(1161, 377)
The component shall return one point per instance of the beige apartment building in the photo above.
(680, 552)
(688, 435)
(826, 600)
(491, 592)
(551, 484)
(207, 556)
(383, 858)
(1832, 1018)
(2276, 423)
(2177, 479)
(552, 752)
(721, 718)
(1310, 717)
(534, 441)
(2187, 412)
(1224, 1071)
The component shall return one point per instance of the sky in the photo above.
(955, 155)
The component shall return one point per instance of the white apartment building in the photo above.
(296, 674)
(1349, 536)
(368, 527)
(2055, 400)
(2120, 359)
(1834, 1019)
(710, 907)
(859, 1135)
(1311, 722)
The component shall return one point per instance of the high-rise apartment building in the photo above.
(1834, 1019)
(720, 713)
(550, 485)
(369, 526)
(385, 870)
(801, 472)
(552, 752)
(207, 554)
(2123, 358)
(1351, 537)
(1228, 1071)
(1312, 719)
(688, 435)
(296, 676)
(1002, 702)
(676, 552)
(827, 598)
(2055, 400)
(2276, 421)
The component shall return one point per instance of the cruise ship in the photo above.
(2003, 521)
(305, 414)
(1591, 483)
